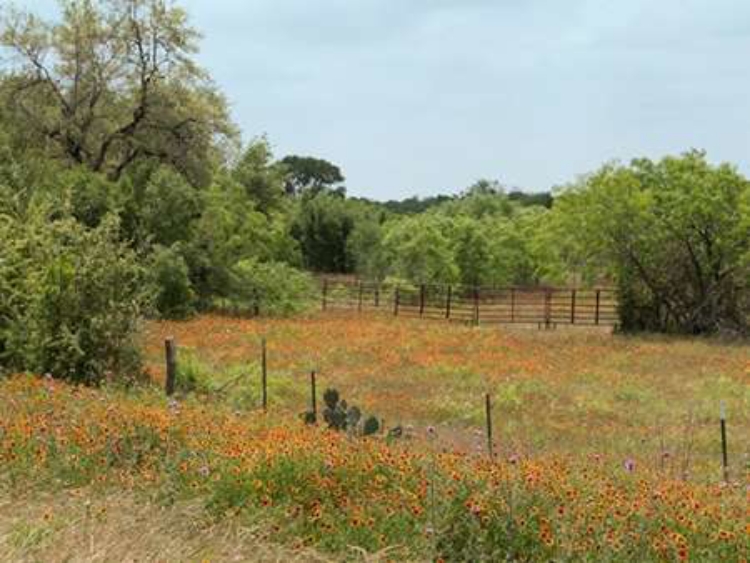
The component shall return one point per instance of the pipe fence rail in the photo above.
(547, 306)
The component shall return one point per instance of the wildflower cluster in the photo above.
(315, 487)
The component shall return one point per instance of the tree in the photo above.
(112, 83)
(169, 208)
(472, 252)
(262, 180)
(322, 226)
(365, 246)
(481, 200)
(305, 174)
(673, 233)
(421, 251)
(229, 230)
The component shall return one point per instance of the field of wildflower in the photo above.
(570, 391)
(606, 448)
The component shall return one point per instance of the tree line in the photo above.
(126, 190)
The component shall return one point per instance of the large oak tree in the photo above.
(111, 83)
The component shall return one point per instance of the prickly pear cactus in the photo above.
(353, 415)
(331, 398)
(340, 416)
(371, 426)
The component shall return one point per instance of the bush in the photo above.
(675, 235)
(70, 299)
(175, 298)
(270, 288)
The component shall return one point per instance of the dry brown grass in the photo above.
(83, 526)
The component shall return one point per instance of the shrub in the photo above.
(70, 299)
(174, 295)
(675, 235)
(270, 288)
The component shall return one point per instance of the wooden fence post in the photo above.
(377, 296)
(396, 298)
(512, 304)
(724, 455)
(421, 300)
(325, 294)
(359, 304)
(573, 307)
(488, 417)
(448, 303)
(170, 349)
(547, 308)
(313, 397)
(264, 373)
(598, 300)
(476, 305)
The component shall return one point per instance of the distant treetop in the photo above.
(306, 174)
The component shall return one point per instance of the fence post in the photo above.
(264, 373)
(724, 455)
(488, 417)
(396, 297)
(256, 303)
(377, 296)
(313, 397)
(359, 304)
(547, 308)
(476, 305)
(421, 300)
(573, 307)
(598, 300)
(448, 303)
(170, 349)
(325, 294)
(512, 304)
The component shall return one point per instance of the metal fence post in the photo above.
(170, 349)
(598, 301)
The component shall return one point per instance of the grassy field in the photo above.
(608, 449)
(574, 391)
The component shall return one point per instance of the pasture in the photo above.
(606, 448)
(573, 391)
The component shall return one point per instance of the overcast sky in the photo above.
(426, 96)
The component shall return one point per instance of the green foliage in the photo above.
(420, 250)
(192, 375)
(414, 205)
(365, 247)
(481, 238)
(262, 180)
(229, 230)
(168, 208)
(269, 288)
(175, 298)
(71, 299)
(91, 196)
(672, 233)
(473, 252)
(109, 85)
(322, 226)
(308, 175)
